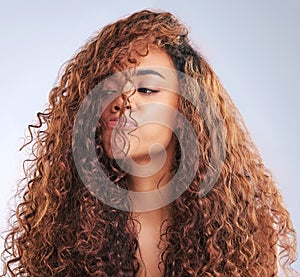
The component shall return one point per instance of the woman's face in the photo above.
(149, 103)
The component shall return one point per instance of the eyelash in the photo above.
(142, 90)
(149, 91)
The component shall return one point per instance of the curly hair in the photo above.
(239, 228)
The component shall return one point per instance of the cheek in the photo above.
(158, 114)
(115, 145)
(157, 125)
(154, 133)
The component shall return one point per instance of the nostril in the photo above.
(117, 108)
(128, 107)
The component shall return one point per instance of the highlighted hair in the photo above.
(239, 228)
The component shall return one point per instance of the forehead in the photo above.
(156, 66)
(156, 57)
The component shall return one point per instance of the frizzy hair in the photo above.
(239, 228)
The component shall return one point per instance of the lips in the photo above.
(122, 122)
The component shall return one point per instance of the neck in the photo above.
(153, 183)
(149, 183)
(152, 219)
(151, 173)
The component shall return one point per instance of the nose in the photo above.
(121, 104)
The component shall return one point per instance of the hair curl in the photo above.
(240, 228)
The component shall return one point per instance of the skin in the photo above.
(153, 93)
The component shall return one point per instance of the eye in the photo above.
(144, 90)
(108, 92)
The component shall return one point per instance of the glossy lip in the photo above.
(122, 122)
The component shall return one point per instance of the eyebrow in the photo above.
(148, 72)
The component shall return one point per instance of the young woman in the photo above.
(142, 166)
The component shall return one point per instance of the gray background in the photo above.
(253, 46)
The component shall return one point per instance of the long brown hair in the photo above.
(239, 228)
